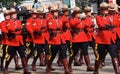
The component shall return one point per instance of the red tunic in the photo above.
(11, 27)
(77, 24)
(53, 26)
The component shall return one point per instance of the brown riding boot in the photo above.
(87, 61)
(24, 64)
(70, 63)
(76, 62)
(47, 58)
(5, 71)
(48, 69)
(41, 58)
(118, 56)
(17, 67)
(81, 58)
(33, 67)
(65, 64)
(97, 64)
(116, 65)
(59, 62)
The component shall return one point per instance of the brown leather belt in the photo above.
(57, 32)
(90, 31)
(77, 31)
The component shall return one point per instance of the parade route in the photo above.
(108, 69)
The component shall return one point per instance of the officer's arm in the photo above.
(3, 27)
(29, 27)
(100, 22)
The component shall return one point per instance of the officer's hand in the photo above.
(107, 26)
(58, 29)
(43, 27)
(112, 26)
(92, 25)
(18, 29)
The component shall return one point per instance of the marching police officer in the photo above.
(66, 29)
(115, 20)
(38, 27)
(7, 19)
(45, 34)
(57, 41)
(79, 38)
(4, 39)
(105, 39)
(90, 28)
(13, 30)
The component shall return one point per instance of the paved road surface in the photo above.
(108, 69)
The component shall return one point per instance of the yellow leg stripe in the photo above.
(28, 51)
(71, 49)
(96, 46)
(35, 54)
(6, 49)
(71, 53)
(50, 52)
(8, 57)
(28, 44)
(97, 57)
(70, 45)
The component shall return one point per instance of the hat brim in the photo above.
(41, 13)
(65, 9)
(87, 10)
(75, 12)
(33, 12)
(111, 9)
(13, 12)
(54, 10)
(104, 8)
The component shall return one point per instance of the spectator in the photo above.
(36, 4)
(15, 6)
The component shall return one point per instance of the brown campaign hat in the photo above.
(104, 6)
(12, 11)
(34, 11)
(76, 10)
(50, 5)
(40, 10)
(112, 7)
(29, 7)
(87, 9)
(54, 9)
(65, 8)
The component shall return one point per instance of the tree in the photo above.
(83, 3)
(9, 3)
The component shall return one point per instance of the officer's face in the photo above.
(77, 15)
(40, 15)
(34, 15)
(66, 13)
(7, 17)
(88, 13)
(105, 12)
(55, 13)
(14, 16)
